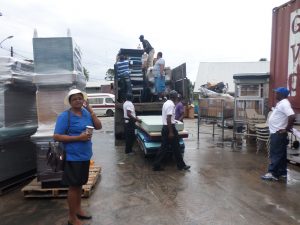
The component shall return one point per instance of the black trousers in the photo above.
(166, 144)
(129, 135)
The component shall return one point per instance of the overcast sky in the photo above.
(190, 31)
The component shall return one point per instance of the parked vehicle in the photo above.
(103, 104)
(143, 106)
(285, 61)
(285, 57)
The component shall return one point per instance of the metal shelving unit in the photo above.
(251, 97)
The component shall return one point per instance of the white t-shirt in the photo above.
(156, 67)
(278, 119)
(168, 109)
(128, 106)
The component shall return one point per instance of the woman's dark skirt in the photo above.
(76, 173)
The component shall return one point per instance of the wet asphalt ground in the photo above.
(223, 187)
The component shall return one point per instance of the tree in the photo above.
(110, 74)
(86, 73)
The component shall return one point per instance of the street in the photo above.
(223, 187)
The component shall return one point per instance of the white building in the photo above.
(215, 72)
(99, 86)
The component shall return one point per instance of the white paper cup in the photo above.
(89, 129)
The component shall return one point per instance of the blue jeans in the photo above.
(278, 154)
(124, 87)
(160, 84)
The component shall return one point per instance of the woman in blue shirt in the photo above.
(70, 129)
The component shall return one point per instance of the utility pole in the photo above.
(11, 51)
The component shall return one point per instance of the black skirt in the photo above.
(76, 173)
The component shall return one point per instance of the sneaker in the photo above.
(268, 176)
(284, 176)
(186, 167)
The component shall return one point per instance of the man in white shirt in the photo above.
(280, 122)
(159, 76)
(169, 136)
(130, 119)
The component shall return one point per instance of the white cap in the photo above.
(73, 92)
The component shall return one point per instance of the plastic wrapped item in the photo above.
(16, 158)
(62, 80)
(155, 124)
(18, 116)
(56, 54)
(16, 71)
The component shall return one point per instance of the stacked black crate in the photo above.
(134, 56)
(18, 120)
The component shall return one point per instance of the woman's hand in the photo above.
(85, 137)
(86, 105)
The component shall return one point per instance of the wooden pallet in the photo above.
(34, 188)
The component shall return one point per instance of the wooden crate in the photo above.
(34, 188)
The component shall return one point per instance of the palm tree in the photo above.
(86, 73)
(110, 74)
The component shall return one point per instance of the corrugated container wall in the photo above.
(285, 49)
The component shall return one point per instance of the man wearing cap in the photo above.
(169, 136)
(280, 123)
(149, 50)
(130, 119)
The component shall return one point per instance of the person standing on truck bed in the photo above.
(169, 136)
(179, 109)
(159, 76)
(280, 123)
(130, 119)
(123, 73)
(149, 50)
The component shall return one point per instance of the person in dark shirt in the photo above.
(179, 109)
(149, 50)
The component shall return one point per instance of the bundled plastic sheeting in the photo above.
(16, 71)
(56, 54)
(18, 117)
(62, 80)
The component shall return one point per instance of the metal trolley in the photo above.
(214, 110)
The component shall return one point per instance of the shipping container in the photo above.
(285, 49)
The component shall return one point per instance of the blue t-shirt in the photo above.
(77, 150)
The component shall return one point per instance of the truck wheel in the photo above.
(109, 112)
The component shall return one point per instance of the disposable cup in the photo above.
(89, 129)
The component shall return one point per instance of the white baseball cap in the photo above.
(73, 92)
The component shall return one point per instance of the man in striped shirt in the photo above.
(123, 75)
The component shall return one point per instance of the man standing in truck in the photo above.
(280, 123)
(149, 50)
(159, 76)
(123, 75)
(169, 136)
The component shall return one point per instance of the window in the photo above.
(96, 100)
(109, 100)
(247, 90)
